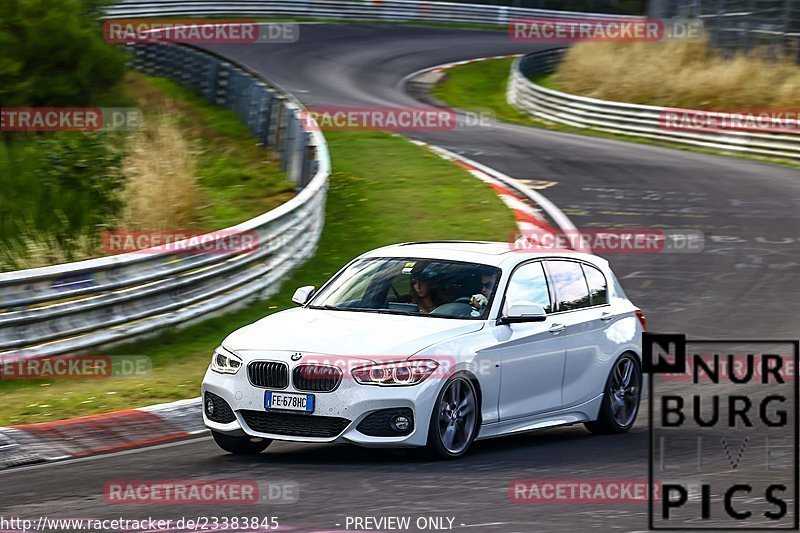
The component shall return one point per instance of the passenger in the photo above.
(423, 293)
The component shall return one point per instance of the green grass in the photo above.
(481, 85)
(478, 86)
(383, 190)
(545, 80)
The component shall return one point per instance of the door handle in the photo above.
(605, 316)
(557, 328)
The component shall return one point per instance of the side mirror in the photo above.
(523, 312)
(303, 295)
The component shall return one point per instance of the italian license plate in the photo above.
(287, 401)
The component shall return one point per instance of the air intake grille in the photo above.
(269, 374)
(220, 410)
(295, 425)
(316, 378)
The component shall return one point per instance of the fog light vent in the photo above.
(217, 409)
(395, 422)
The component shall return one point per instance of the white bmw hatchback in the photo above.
(433, 344)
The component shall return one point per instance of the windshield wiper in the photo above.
(379, 310)
(365, 310)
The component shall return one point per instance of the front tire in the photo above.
(454, 421)
(621, 397)
(240, 445)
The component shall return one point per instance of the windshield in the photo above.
(418, 287)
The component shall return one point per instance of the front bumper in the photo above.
(350, 401)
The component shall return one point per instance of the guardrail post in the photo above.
(278, 124)
(222, 85)
(307, 161)
(289, 136)
(265, 116)
(210, 79)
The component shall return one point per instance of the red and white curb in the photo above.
(445, 66)
(532, 211)
(430, 76)
(107, 432)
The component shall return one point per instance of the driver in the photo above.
(488, 281)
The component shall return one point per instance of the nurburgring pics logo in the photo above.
(615, 241)
(734, 430)
(604, 29)
(70, 119)
(180, 242)
(196, 31)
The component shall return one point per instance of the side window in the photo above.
(529, 284)
(598, 288)
(571, 290)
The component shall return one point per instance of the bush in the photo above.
(63, 186)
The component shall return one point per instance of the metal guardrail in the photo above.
(630, 119)
(69, 307)
(370, 10)
(65, 308)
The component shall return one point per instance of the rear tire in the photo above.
(454, 420)
(240, 445)
(621, 397)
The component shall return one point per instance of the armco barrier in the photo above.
(630, 119)
(69, 307)
(371, 10)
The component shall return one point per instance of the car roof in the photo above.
(483, 252)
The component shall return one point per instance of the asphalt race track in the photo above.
(746, 283)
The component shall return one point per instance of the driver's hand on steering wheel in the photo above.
(478, 301)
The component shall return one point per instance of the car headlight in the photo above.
(401, 373)
(225, 362)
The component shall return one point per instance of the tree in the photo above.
(52, 53)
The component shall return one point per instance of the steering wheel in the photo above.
(456, 308)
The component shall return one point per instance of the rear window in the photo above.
(598, 288)
(570, 285)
